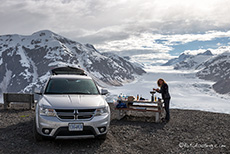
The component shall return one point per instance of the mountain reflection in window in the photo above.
(71, 86)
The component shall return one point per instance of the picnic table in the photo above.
(142, 106)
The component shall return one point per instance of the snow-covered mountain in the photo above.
(174, 61)
(211, 67)
(187, 61)
(217, 69)
(192, 62)
(25, 61)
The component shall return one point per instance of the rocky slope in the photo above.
(217, 69)
(187, 132)
(25, 61)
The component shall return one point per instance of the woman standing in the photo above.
(165, 96)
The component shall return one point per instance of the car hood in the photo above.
(73, 101)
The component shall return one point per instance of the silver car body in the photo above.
(80, 110)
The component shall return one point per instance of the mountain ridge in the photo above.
(189, 61)
(25, 61)
(208, 67)
(217, 69)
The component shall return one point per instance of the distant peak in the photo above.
(185, 54)
(44, 32)
(90, 46)
(207, 53)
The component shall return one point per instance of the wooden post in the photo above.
(5, 101)
(157, 117)
(31, 101)
(159, 114)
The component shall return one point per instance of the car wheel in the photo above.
(102, 137)
(38, 137)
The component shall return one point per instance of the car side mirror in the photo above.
(104, 91)
(38, 91)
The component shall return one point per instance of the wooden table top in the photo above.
(140, 101)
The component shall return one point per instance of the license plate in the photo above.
(75, 127)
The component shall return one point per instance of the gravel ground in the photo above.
(187, 132)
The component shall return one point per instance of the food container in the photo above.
(131, 98)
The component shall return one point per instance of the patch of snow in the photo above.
(59, 64)
(187, 91)
(1, 61)
(24, 59)
(45, 77)
(26, 74)
(6, 80)
(96, 74)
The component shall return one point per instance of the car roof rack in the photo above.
(68, 70)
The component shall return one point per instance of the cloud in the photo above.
(151, 58)
(219, 50)
(186, 38)
(176, 16)
(143, 41)
(121, 25)
(152, 43)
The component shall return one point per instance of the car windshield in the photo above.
(71, 86)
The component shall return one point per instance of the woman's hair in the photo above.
(158, 82)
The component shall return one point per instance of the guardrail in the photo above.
(18, 98)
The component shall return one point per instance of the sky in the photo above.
(156, 29)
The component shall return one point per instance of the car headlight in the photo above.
(101, 111)
(47, 111)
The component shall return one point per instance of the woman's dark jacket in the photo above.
(164, 91)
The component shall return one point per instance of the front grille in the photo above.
(84, 114)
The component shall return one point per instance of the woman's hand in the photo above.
(156, 89)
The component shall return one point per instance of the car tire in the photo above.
(102, 137)
(38, 137)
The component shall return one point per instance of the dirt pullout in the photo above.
(187, 132)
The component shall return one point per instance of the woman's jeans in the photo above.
(166, 102)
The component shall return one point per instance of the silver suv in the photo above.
(71, 106)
